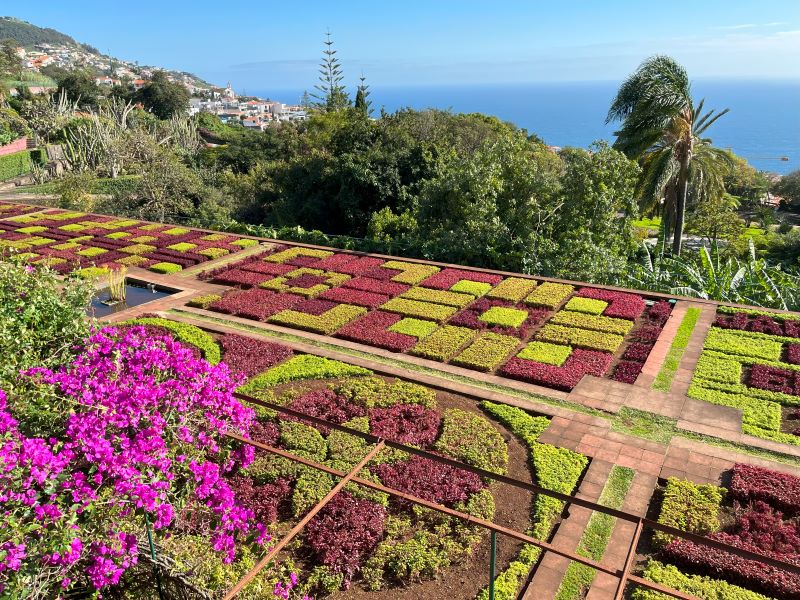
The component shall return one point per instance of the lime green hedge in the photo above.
(417, 308)
(19, 163)
(543, 352)
(549, 294)
(697, 585)
(188, 334)
(689, 506)
(443, 344)
(304, 366)
(438, 297)
(557, 469)
(581, 338)
(594, 322)
(470, 438)
(512, 289)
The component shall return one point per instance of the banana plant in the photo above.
(710, 275)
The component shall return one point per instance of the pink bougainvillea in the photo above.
(143, 419)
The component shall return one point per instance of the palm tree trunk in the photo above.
(680, 208)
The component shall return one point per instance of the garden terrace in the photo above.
(74, 241)
(499, 375)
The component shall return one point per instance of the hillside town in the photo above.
(249, 111)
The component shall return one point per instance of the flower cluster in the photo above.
(144, 417)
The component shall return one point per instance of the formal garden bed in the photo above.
(757, 511)
(751, 361)
(125, 434)
(90, 244)
(547, 333)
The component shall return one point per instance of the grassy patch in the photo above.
(642, 424)
(596, 536)
(665, 376)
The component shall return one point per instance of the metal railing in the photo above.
(624, 574)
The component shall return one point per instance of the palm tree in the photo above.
(663, 129)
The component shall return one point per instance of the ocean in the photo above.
(762, 126)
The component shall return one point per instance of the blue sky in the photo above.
(263, 45)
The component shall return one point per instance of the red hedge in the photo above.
(371, 329)
(750, 483)
(264, 500)
(774, 379)
(367, 284)
(429, 480)
(241, 277)
(251, 356)
(360, 265)
(406, 423)
(325, 404)
(581, 362)
(627, 371)
(621, 304)
(268, 268)
(255, 304)
(354, 296)
(345, 532)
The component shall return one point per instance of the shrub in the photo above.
(243, 243)
(689, 507)
(470, 438)
(240, 277)
(410, 273)
(415, 308)
(176, 231)
(352, 296)
(627, 371)
(361, 265)
(251, 356)
(118, 235)
(593, 322)
(774, 379)
(429, 480)
(416, 327)
(303, 440)
(405, 561)
(166, 267)
(697, 585)
(513, 289)
(581, 362)
(504, 317)
(327, 405)
(586, 305)
(637, 351)
(444, 343)
(182, 247)
(32, 229)
(473, 288)
(487, 352)
(264, 499)
(303, 366)
(345, 532)
(138, 249)
(188, 334)
(92, 272)
(310, 487)
(438, 297)
(205, 300)
(326, 323)
(258, 265)
(213, 253)
(543, 352)
(448, 277)
(367, 284)
(16, 164)
(374, 392)
(740, 344)
(294, 252)
(372, 329)
(91, 252)
(750, 483)
(255, 304)
(581, 338)
(411, 424)
(549, 294)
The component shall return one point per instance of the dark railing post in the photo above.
(492, 561)
(153, 556)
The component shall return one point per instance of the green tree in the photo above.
(80, 88)
(164, 98)
(662, 128)
(788, 188)
(746, 181)
(330, 95)
(362, 102)
(10, 62)
(716, 219)
(592, 228)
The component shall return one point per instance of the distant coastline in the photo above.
(764, 122)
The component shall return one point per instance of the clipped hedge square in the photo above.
(513, 289)
(416, 327)
(213, 253)
(134, 260)
(142, 239)
(73, 227)
(152, 227)
(89, 252)
(245, 243)
(586, 305)
(543, 352)
(444, 343)
(473, 288)
(176, 231)
(32, 229)
(488, 352)
(415, 308)
(501, 316)
(182, 247)
(117, 235)
(138, 249)
(165, 268)
(549, 294)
